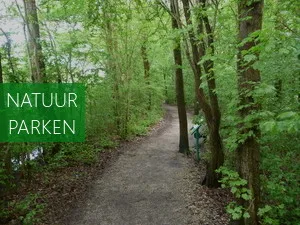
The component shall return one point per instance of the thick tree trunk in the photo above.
(36, 57)
(183, 140)
(217, 156)
(248, 152)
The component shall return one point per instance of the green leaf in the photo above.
(246, 215)
(246, 196)
(286, 115)
(234, 190)
(265, 209)
(250, 58)
(269, 126)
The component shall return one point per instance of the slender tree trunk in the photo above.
(69, 65)
(54, 50)
(36, 57)
(146, 72)
(248, 152)
(4, 148)
(278, 88)
(183, 140)
(12, 77)
(278, 81)
(198, 54)
(195, 54)
(215, 141)
(166, 87)
(192, 64)
(1, 71)
(210, 109)
(112, 67)
(4, 145)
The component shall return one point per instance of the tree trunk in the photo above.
(210, 109)
(215, 141)
(111, 46)
(36, 57)
(146, 72)
(278, 88)
(12, 77)
(1, 73)
(4, 150)
(248, 152)
(183, 140)
(196, 57)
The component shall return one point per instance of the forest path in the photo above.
(147, 185)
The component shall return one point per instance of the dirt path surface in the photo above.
(149, 184)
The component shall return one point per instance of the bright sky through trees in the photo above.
(11, 24)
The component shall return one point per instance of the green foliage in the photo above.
(231, 179)
(4, 177)
(278, 95)
(198, 119)
(238, 187)
(286, 122)
(280, 180)
(27, 211)
(268, 214)
(98, 43)
(236, 211)
(69, 154)
(141, 127)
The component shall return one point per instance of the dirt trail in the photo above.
(147, 185)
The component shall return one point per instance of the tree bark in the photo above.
(195, 53)
(146, 64)
(12, 77)
(4, 148)
(1, 73)
(183, 139)
(36, 57)
(210, 108)
(215, 141)
(111, 67)
(248, 152)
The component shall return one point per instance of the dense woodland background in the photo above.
(235, 63)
